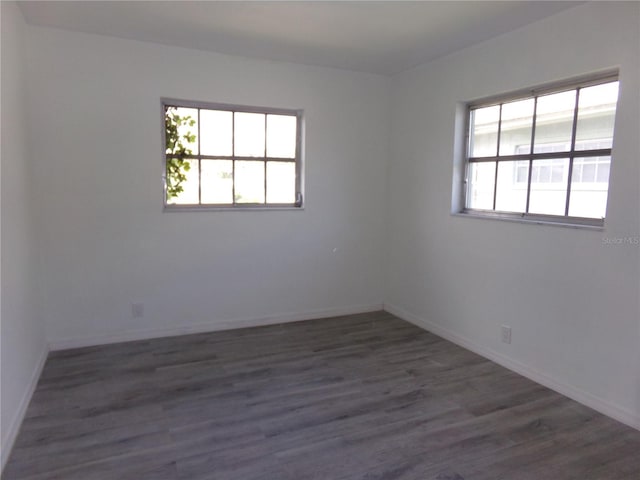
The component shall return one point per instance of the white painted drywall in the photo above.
(570, 298)
(96, 121)
(23, 341)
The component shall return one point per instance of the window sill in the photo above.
(529, 220)
(252, 208)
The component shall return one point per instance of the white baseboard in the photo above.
(103, 339)
(605, 407)
(12, 433)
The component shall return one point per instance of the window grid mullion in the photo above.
(495, 175)
(601, 152)
(572, 150)
(233, 158)
(533, 138)
(199, 164)
(265, 159)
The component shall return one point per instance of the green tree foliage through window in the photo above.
(178, 138)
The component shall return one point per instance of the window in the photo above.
(544, 155)
(223, 156)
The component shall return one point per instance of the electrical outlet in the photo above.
(137, 310)
(506, 334)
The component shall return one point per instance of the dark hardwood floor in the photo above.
(358, 397)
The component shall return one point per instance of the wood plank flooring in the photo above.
(357, 397)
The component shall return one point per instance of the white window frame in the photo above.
(571, 153)
(299, 184)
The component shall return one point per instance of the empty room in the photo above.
(320, 240)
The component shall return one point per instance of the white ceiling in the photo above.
(378, 37)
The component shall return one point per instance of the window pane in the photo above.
(549, 186)
(281, 182)
(588, 172)
(602, 174)
(249, 181)
(249, 134)
(515, 127)
(554, 121)
(217, 181)
(481, 181)
(216, 132)
(589, 195)
(511, 194)
(557, 173)
(596, 115)
(182, 137)
(281, 136)
(484, 131)
(522, 172)
(188, 187)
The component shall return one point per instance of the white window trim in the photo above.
(299, 185)
(461, 155)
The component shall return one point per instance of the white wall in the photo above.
(23, 343)
(96, 120)
(571, 299)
